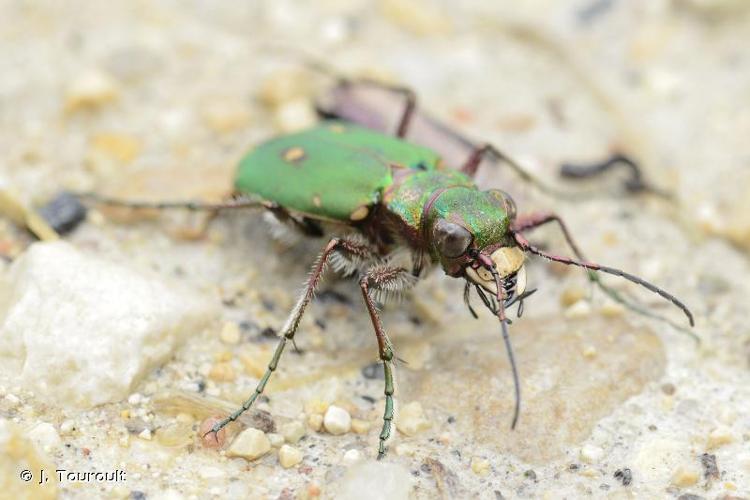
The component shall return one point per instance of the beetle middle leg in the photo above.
(635, 183)
(471, 165)
(410, 100)
(383, 278)
(351, 247)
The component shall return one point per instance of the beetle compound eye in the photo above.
(451, 239)
(508, 203)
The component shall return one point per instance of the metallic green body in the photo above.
(333, 170)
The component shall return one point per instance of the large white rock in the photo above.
(81, 331)
(376, 481)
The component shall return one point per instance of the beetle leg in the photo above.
(410, 100)
(382, 277)
(635, 183)
(533, 221)
(342, 245)
(231, 203)
(472, 163)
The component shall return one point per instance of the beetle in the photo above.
(390, 194)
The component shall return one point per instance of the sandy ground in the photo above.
(160, 99)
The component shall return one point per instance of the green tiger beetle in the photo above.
(394, 194)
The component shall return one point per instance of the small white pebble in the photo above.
(360, 426)
(589, 352)
(591, 454)
(90, 90)
(45, 435)
(250, 444)
(411, 419)
(337, 420)
(276, 440)
(480, 466)
(685, 475)
(445, 438)
(67, 426)
(230, 333)
(289, 456)
(580, 309)
(315, 422)
(352, 457)
(292, 431)
(145, 434)
(719, 437)
(612, 309)
(294, 115)
(135, 399)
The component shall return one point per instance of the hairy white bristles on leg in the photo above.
(389, 283)
(280, 231)
(349, 263)
(292, 320)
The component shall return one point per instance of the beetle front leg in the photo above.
(354, 248)
(532, 221)
(383, 278)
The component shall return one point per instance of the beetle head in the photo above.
(469, 234)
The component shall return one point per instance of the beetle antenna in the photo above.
(508, 347)
(514, 371)
(238, 202)
(592, 266)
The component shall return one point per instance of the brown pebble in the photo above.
(213, 440)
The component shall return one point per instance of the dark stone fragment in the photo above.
(710, 467)
(264, 421)
(64, 212)
(625, 476)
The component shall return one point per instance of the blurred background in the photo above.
(160, 99)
